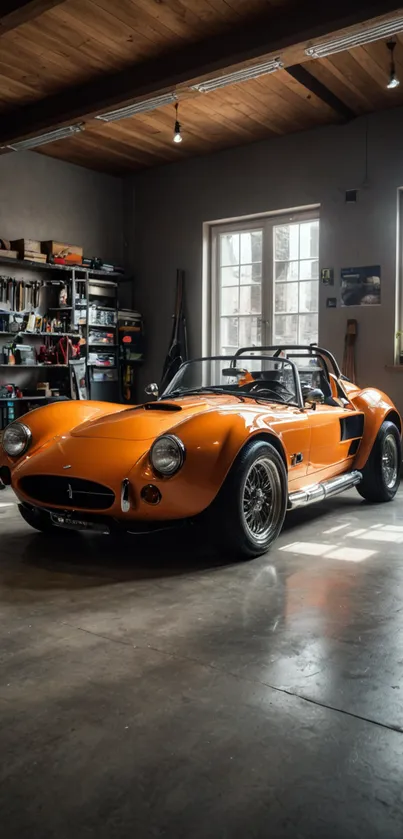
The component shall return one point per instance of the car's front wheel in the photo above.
(381, 473)
(249, 511)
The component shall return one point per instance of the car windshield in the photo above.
(259, 377)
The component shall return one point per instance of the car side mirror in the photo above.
(152, 389)
(314, 397)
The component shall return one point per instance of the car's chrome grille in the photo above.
(67, 492)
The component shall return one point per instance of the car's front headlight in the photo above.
(16, 439)
(167, 455)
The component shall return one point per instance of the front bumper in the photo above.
(84, 522)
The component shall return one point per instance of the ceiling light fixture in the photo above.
(138, 108)
(252, 72)
(177, 138)
(43, 139)
(393, 80)
(366, 35)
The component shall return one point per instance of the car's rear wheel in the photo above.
(381, 474)
(249, 511)
(37, 519)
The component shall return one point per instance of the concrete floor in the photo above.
(165, 693)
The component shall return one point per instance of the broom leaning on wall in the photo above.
(178, 349)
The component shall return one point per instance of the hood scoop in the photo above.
(160, 406)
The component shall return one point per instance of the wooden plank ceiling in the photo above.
(54, 55)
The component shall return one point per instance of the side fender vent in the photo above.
(351, 426)
(354, 447)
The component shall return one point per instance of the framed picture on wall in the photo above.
(361, 286)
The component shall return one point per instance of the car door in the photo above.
(336, 433)
(294, 429)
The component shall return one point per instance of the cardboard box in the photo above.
(9, 254)
(61, 249)
(38, 257)
(44, 389)
(23, 245)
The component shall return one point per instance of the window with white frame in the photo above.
(296, 275)
(265, 283)
(240, 290)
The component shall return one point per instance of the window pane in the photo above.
(308, 296)
(286, 329)
(229, 250)
(286, 297)
(230, 300)
(286, 271)
(229, 332)
(309, 269)
(250, 302)
(229, 276)
(286, 241)
(251, 246)
(249, 332)
(308, 329)
(251, 273)
(309, 240)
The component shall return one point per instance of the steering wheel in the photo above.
(258, 389)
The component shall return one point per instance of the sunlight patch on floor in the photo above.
(345, 554)
(350, 554)
(335, 529)
(380, 536)
(308, 548)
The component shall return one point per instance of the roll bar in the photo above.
(277, 349)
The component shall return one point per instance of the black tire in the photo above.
(236, 505)
(36, 519)
(378, 484)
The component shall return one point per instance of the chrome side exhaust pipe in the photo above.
(318, 492)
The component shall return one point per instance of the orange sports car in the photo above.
(234, 441)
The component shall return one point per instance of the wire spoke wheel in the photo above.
(381, 473)
(261, 500)
(390, 461)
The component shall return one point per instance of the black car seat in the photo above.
(327, 391)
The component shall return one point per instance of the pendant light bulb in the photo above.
(393, 80)
(177, 138)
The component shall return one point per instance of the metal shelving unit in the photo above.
(108, 389)
(50, 266)
(69, 275)
(17, 399)
(40, 334)
(32, 366)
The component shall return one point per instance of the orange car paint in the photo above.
(107, 443)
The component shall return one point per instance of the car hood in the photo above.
(142, 422)
(148, 421)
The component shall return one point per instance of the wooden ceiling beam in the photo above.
(311, 83)
(268, 35)
(14, 13)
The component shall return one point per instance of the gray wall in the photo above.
(43, 198)
(172, 202)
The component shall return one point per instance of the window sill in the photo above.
(394, 368)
